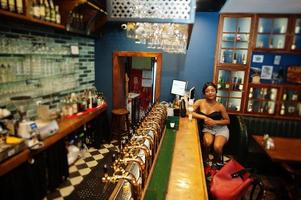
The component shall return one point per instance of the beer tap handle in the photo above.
(113, 157)
(105, 170)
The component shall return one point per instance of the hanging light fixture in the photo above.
(160, 24)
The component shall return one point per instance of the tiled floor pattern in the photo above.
(82, 167)
(77, 171)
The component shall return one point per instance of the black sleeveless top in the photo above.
(216, 115)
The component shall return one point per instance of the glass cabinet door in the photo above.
(235, 40)
(230, 88)
(262, 100)
(291, 102)
(296, 45)
(271, 33)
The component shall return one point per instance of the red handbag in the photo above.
(230, 182)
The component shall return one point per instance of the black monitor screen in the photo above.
(178, 87)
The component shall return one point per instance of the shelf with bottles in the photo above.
(230, 84)
(235, 39)
(230, 80)
(231, 104)
(83, 16)
(262, 99)
(291, 101)
(43, 12)
(272, 32)
(296, 36)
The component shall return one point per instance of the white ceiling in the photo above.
(262, 6)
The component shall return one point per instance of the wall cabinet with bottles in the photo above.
(272, 32)
(290, 101)
(296, 41)
(262, 99)
(230, 88)
(235, 40)
(238, 36)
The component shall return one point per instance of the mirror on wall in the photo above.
(136, 81)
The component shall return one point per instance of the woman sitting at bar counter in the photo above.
(215, 121)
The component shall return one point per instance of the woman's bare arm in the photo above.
(196, 107)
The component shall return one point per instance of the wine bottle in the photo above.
(12, 5)
(4, 5)
(47, 11)
(36, 9)
(42, 10)
(244, 60)
(19, 6)
(58, 15)
(52, 11)
(234, 61)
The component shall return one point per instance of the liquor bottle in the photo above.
(58, 15)
(19, 6)
(234, 61)
(4, 4)
(47, 11)
(36, 9)
(42, 10)
(271, 43)
(223, 58)
(12, 5)
(52, 11)
(294, 44)
(238, 34)
(244, 60)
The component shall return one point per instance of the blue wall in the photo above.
(196, 66)
(199, 63)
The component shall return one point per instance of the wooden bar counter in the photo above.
(66, 127)
(187, 178)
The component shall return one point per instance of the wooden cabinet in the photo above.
(296, 36)
(234, 40)
(80, 16)
(240, 35)
(290, 101)
(27, 15)
(271, 32)
(233, 56)
(231, 87)
(262, 99)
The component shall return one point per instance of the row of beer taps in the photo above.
(136, 153)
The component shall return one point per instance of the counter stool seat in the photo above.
(120, 123)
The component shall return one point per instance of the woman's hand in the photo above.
(209, 122)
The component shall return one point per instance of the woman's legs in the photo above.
(219, 143)
(208, 139)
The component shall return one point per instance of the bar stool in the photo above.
(120, 123)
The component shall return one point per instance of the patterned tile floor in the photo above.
(82, 167)
(78, 171)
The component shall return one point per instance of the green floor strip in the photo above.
(157, 187)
